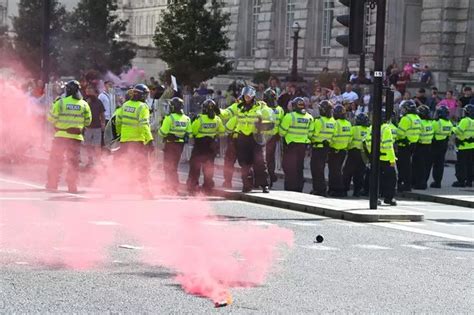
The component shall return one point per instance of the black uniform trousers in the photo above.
(421, 165)
(134, 157)
(293, 164)
(439, 148)
(270, 150)
(335, 161)
(354, 170)
(230, 157)
(250, 155)
(405, 155)
(319, 157)
(388, 180)
(202, 157)
(64, 147)
(171, 158)
(464, 166)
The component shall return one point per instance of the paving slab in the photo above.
(347, 209)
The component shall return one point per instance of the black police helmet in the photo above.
(299, 105)
(140, 92)
(423, 112)
(469, 111)
(325, 109)
(408, 107)
(270, 97)
(339, 112)
(249, 91)
(73, 89)
(442, 112)
(176, 105)
(209, 108)
(362, 120)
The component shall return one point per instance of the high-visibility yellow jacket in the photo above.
(442, 128)
(132, 122)
(427, 132)
(409, 128)
(323, 130)
(359, 133)
(387, 152)
(465, 133)
(178, 125)
(342, 135)
(278, 114)
(203, 126)
(296, 127)
(67, 113)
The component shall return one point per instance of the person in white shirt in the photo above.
(350, 96)
(106, 98)
(365, 105)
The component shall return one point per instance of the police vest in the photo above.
(296, 127)
(465, 134)
(359, 133)
(204, 126)
(246, 119)
(70, 116)
(387, 152)
(132, 122)
(323, 130)
(177, 125)
(409, 128)
(442, 129)
(342, 135)
(278, 114)
(426, 135)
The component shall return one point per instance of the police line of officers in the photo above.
(418, 142)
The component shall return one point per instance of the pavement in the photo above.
(407, 267)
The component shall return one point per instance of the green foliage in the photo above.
(96, 39)
(28, 28)
(191, 39)
(261, 77)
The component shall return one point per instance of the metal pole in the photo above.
(45, 41)
(362, 66)
(294, 65)
(377, 109)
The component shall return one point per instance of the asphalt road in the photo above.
(359, 268)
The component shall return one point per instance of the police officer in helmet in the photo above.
(69, 115)
(270, 98)
(464, 132)
(442, 129)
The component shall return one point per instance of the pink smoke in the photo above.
(128, 78)
(208, 255)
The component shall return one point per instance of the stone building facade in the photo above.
(439, 33)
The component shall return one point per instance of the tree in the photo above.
(28, 28)
(96, 38)
(191, 38)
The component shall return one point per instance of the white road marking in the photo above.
(370, 246)
(349, 223)
(36, 186)
(303, 223)
(460, 258)
(319, 247)
(21, 263)
(415, 246)
(126, 246)
(422, 231)
(260, 223)
(109, 223)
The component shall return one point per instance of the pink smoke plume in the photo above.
(208, 255)
(128, 78)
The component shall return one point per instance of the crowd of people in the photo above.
(333, 126)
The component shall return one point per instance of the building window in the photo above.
(290, 18)
(368, 23)
(254, 28)
(328, 14)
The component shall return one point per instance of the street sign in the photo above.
(378, 74)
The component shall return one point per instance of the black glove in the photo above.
(171, 138)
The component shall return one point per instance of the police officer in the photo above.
(422, 156)
(230, 155)
(295, 129)
(206, 129)
(337, 152)
(132, 123)
(175, 130)
(354, 168)
(69, 115)
(408, 134)
(388, 175)
(320, 136)
(251, 116)
(464, 132)
(270, 98)
(442, 129)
